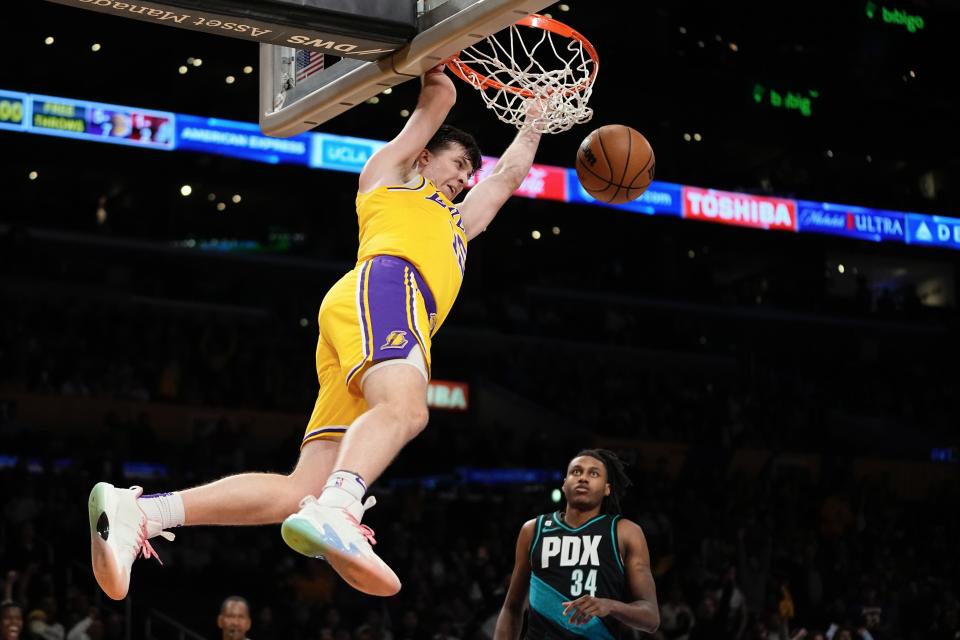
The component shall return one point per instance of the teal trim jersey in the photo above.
(568, 563)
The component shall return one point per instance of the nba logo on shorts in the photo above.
(395, 340)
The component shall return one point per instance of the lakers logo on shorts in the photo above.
(396, 340)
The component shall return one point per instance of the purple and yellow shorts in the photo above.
(378, 312)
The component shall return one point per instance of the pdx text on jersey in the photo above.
(570, 551)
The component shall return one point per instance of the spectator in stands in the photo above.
(676, 616)
(88, 628)
(234, 619)
(11, 620)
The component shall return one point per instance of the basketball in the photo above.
(615, 164)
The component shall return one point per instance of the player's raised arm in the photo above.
(484, 201)
(510, 620)
(393, 162)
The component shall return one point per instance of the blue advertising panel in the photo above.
(239, 140)
(101, 122)
(846, 220)
(660, 198)
(470, 475)
(938, 231)
(342, 153)
(14, 110)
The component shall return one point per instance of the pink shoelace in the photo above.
(146, 549)
(365, 531)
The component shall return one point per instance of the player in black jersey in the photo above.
(586, 570)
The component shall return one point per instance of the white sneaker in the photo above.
(119, 531)
(336, 534)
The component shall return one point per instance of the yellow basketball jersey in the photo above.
(419, 224)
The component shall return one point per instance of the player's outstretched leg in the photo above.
(122, 521)
(330, 525)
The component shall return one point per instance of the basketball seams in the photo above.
(639, 173)
(587, 168)
(626, 162)
(606, 158)
(610, 165)
(596, 175)
(595, 191)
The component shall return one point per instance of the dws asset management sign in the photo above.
(362, 29)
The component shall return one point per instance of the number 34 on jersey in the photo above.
(574, 551)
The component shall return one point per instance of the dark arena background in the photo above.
(786, 397)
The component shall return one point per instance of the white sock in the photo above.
(165, 508)
(343, 488)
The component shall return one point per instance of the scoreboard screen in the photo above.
(101, 122)
(13, 110)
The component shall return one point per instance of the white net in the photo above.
(530, 70)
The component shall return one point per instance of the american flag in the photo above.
(308, 63)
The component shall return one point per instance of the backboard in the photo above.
(301, 88)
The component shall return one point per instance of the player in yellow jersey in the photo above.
(373, 360)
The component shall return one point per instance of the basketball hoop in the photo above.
(523, 69)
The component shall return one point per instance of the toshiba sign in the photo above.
(443, 394)
(741, 209)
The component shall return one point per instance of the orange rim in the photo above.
(467, 73)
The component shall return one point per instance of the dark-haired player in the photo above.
(373, 359)
(585, 570)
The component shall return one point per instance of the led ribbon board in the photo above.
(133, 126)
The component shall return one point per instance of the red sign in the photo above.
(741, 209)
(443, 394)
(543, 182)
